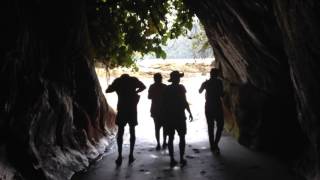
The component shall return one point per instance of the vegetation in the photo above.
(120, 28)
(200, 44)
(194, 44)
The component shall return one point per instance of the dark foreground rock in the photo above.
(54, 117)
(269, 55)
(53, 113)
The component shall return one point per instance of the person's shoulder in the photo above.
(163, 85)
(135, 80)
(116, 81)
(182, 88)
(151, 86)
(132, 78)
(214, 80)
(169, 87)
(206, 82)
(219, 80)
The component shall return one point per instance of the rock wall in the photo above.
(268, 52)
(54, 118)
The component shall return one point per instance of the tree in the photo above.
(118, 28)
(52, 105)
(201, 47)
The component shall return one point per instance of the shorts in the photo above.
(127, 117)
(213, 113)
(180, 127)
(158, 121)
(215, 116)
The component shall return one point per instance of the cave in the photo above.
(55, 120)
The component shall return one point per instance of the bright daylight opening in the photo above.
(190, 54)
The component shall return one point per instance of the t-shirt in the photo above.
(126, 91)
(155, 93)
(214, 90)
(175, 102)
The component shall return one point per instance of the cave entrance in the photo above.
(192, 81)
(235, 162)
(189, 53)
(235, 159)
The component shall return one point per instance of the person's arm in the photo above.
(140, 86)
(187, 105)
(150, 94)
(189, 111)
(202, 87)
(112, 87)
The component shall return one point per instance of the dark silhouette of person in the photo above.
(155, 93)
(213, 108)
(175, 103)
(127, 89)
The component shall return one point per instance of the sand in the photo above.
(235, 162)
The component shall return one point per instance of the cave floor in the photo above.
(234, 163)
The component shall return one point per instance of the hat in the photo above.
(175, 75)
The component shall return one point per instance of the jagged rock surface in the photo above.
(53, 113)
(54, 116)
(269, 55)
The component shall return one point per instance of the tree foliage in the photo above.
(119, 28)
(201, 47)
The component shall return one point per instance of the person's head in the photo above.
(214, 72)
(124, 76)
(175, 77)
(157, 77)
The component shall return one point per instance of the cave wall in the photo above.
(268, 52)
(53, 114)
(54, 117)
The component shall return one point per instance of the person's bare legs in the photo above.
(211, 134)
(164, 144)
(119, 143)
(173, 162)
(157, 132)
(210, 123)
(132, 143)
(220, 124)
(182, 146)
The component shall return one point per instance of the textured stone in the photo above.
(268, 52)
(54, 117)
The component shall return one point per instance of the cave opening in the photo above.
(189, 54)
(56, 121)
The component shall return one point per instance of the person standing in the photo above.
(213, 108)
(155, 93)
(175, 103)
(127, 89)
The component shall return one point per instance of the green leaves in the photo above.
(119, 28)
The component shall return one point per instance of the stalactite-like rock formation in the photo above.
(269, 55)
(54, 117)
